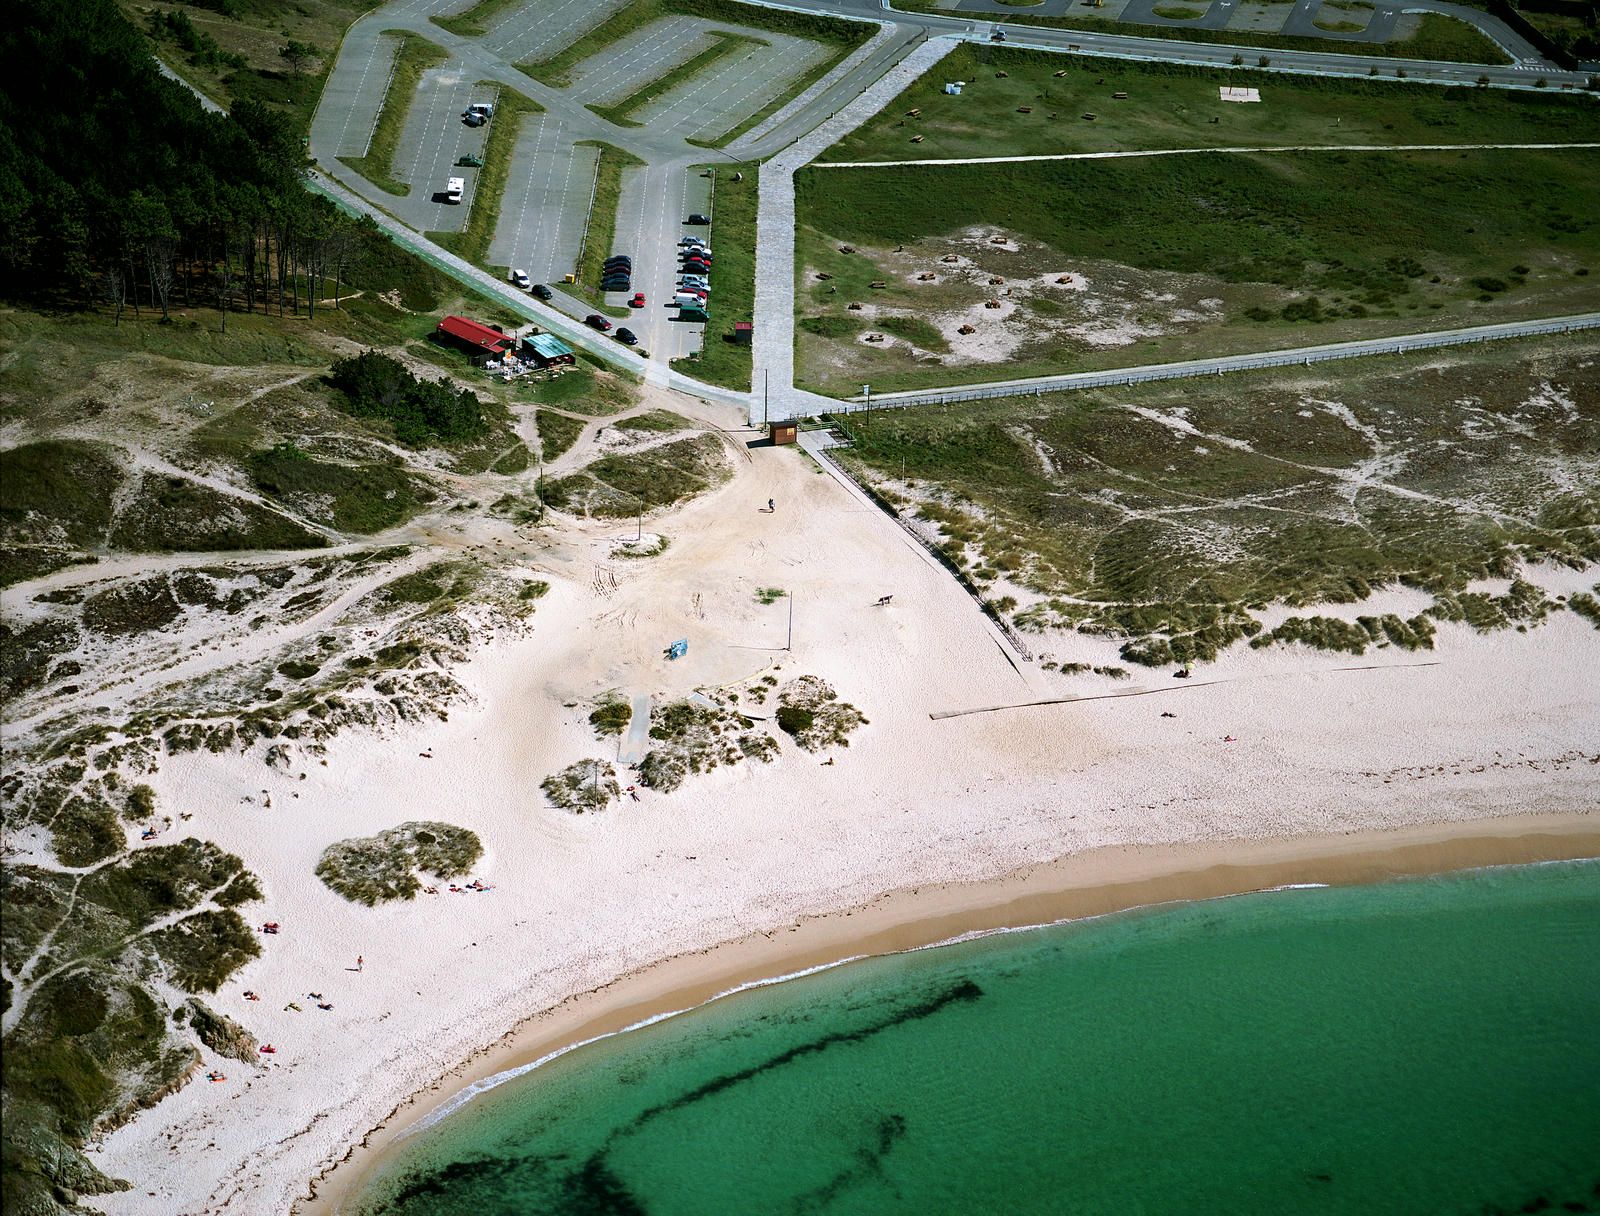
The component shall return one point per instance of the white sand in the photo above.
(1506, 724)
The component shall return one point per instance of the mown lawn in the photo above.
(1175, 106)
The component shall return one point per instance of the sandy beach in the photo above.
(1271, 767)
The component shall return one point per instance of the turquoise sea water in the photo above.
(1428, 1046)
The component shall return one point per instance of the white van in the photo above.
(453, 189)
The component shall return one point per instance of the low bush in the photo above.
(375, 869)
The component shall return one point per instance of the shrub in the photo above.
(793, 720)
(611, 718)
(376, 386)
(587, 785)
(373, 869)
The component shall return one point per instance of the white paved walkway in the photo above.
(775, 393)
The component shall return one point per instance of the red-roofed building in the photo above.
(477, 339)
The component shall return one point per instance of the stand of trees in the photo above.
(118, 190)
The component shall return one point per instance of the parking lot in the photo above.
(435, 138)
(718, 100)
(535, 32)
(546, 201)
(543, 211)
(642, 56)
(655, 201)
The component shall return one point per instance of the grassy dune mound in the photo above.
(375, 869)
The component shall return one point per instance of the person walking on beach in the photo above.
(772, 507)
(360, 962)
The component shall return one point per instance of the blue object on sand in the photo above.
(678, 649)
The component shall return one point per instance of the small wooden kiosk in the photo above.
(783, 432)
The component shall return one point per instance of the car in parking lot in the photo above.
(542, 292)
(627, 337)
(619, 259)
(519, 278)
(693, 280)
(595, 321)
(696, 259)
(697, 218)
(474, 119)
(691, 240)
(637, 301)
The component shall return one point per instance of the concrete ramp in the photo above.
(637, 741)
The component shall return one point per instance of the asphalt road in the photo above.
(1529, 66)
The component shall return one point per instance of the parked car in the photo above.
(637, 301)
(595, 321)
(691, 240)
(697, 218)
(704, 259)
(479, 107)
(542, 292)
(619, 259)
(473, 119)
(693, 280)
(627, 337)
(616, 284)
(519, 278)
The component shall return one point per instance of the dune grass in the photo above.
(414, 57)
(375, 869)
(1250, 508)
(1297, 247)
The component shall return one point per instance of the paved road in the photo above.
(1522, 74)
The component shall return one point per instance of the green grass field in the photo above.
(733, 280)
(1172, 106)
(1265, 250)
(1436, 38)
(1092, 514)
(472, 242)
(414, 56)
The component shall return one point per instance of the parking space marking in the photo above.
(381, 43)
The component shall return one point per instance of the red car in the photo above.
(595, 321)
(637, 301)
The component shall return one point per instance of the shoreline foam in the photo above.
(1079, 886)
